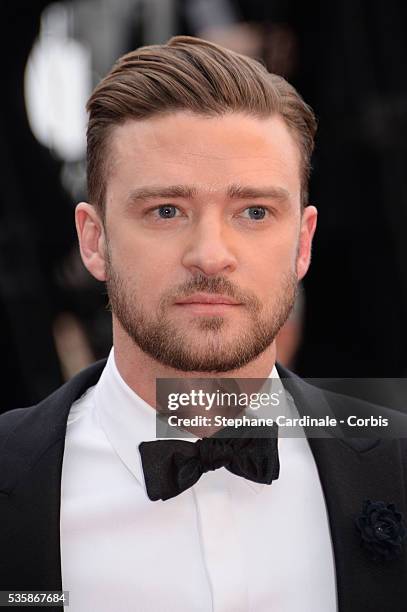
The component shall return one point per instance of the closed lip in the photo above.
(205, 298)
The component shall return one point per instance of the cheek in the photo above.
(274, 257)
(148, 275)
(140, 260)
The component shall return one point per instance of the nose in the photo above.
(209, 249)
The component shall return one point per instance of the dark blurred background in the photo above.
(348, 60)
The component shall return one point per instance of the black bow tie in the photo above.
(172, 466)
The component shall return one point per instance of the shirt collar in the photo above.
(124, 416)
(127, 419)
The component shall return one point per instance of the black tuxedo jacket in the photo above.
(351, 470)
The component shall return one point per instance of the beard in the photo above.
(203, 343)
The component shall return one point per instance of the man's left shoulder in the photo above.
(357, 417)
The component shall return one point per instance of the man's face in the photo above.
(209, 206)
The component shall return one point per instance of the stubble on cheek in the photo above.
(202, 343)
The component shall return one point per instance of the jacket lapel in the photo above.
(352, 470)
(30, 478)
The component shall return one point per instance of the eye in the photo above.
(166, 211)
(257, 213)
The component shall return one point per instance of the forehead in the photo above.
(206, 151)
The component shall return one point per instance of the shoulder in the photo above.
(27, 434)
(358, 417)
(52, 412)
(9, 419)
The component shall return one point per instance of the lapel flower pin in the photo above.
(382, 530)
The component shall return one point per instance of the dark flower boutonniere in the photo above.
(382, 530)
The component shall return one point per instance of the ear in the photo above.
(92, 242)
(308, 226)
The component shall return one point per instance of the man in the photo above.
(198, 221)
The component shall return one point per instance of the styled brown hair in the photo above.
(192, 74)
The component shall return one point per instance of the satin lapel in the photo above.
(30, 538)
(351, 471)
(30, 490)
(348, 477)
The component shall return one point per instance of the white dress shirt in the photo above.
(225, 545)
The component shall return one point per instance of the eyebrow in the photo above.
(236, 192)
(233, 192)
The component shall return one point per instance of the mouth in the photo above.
(208, 299)
(208, 304)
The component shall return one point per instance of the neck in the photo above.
(140, 371)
